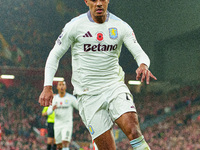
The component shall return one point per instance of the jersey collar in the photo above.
(63, 96)
(90, 17)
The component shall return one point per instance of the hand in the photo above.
(46, 96)
(54, 107)
(143, 72)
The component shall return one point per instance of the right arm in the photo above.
(60, 48)
(51, 109)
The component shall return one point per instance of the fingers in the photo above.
(50, 102)
(45, 101)
(141, 74)
(138, 74)
(144, 74)
(46, 96)
(41, 100)
(148, 77)
(152, 76)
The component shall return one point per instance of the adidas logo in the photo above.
(88, 34)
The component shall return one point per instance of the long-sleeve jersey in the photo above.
(64, 110)
(95, 50)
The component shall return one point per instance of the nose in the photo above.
(99, 3)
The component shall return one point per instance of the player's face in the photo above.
(98, 8)
(61, 87)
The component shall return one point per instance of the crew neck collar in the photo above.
(90, 17)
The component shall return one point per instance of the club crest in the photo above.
(113, 33)
(91, 129)
(66, 101)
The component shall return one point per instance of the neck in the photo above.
(62, 94)
(100, 19)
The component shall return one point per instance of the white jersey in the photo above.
(64, 110)
(95, 50)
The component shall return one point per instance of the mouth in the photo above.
(99, 11)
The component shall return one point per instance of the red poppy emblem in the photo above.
(99, 36)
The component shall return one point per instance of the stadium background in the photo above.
(168, 31)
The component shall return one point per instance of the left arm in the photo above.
(139, 55)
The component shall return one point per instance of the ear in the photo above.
(86, 2)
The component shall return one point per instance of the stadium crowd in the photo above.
(27, 34)
(177, 132)
(170, 101)
(20, 113)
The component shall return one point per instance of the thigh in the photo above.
(105, 141)
(121, 103)
(94, 113)
(129, 124)
(67, 133)
(100, 123)
(57, 134)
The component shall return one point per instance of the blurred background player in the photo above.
(50, 128)
(63, 104)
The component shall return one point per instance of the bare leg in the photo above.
(129, 124)
(65, 144)
(105, 141)
(59, 146)
(50, 142)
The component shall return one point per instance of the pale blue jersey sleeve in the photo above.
(133, 46)
(61, 46)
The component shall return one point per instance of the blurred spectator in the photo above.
(28, 30)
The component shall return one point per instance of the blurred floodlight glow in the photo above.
(58, 79)
(134, 82)
(4, 76)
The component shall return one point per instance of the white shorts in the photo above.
(99, 112)
(63, 134)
